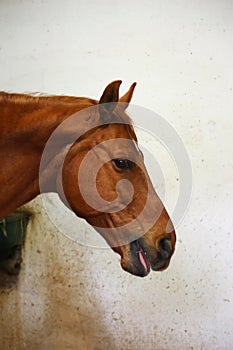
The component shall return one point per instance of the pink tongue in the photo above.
(142, 259)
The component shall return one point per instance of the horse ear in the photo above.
(110, 94)
(126, 98)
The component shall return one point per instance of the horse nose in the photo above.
(165, 248)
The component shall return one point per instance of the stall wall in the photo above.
(73, 296)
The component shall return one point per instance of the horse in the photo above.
(29, 122)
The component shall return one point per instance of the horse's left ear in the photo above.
(126, 98)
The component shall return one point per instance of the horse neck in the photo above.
(33, 119)
(27, 122)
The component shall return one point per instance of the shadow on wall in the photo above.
(52, 302)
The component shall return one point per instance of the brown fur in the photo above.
(26, 124)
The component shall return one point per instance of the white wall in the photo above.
(69, 296)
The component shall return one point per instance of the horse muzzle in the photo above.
(143, 257)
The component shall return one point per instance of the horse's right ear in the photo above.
(110, 94)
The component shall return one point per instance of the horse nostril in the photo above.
(165, 248)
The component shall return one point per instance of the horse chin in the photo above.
(134, 269)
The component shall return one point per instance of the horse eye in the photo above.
(123, 164)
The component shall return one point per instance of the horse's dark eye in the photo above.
(123, 164)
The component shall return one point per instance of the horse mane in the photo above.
(72, 102)
(37, 97)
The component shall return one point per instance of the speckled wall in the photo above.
(71, 296)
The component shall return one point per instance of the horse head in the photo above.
(104, 181)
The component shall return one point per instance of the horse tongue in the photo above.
(143, 260)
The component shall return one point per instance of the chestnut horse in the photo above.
(27, 124)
